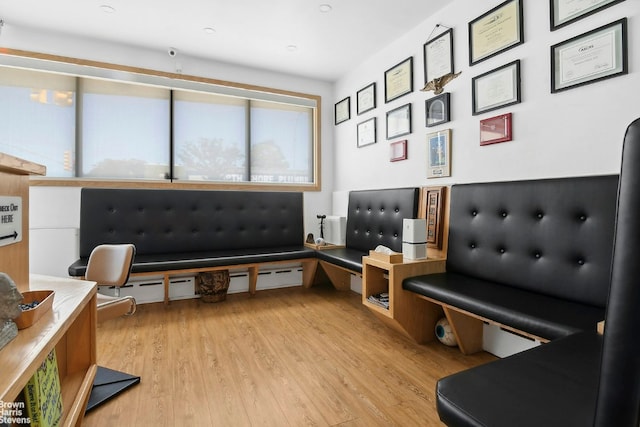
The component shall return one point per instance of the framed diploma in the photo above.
(590, 57)
(496, 88)
(398, 151)
(367, 132)
(399, 121)
(438, 56)
(564, 12)
(437, 110)
(366, 99)
(497, 30)
(342, 110)
(496, 129)
(439, 154)
(398, 80)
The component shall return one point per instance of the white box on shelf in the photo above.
(414, 250)
(335, 229)
(414, 230)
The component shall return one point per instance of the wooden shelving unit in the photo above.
(412, 316)
(70, 328)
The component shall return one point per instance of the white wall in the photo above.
(54, 212)
(576, 132)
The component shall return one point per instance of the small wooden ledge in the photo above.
(18, 166)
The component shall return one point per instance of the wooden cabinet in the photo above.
(70, 328)
(408, 314)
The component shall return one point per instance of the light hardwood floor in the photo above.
(287, 357)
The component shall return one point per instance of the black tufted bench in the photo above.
(585, 379)
(533, 257)
(374, 217)
(195, 230)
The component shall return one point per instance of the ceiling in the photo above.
(291, 36)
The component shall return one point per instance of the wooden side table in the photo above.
(408, 314)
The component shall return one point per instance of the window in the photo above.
(210, 137)
(281, 143)
(91, 121)
(125, 130)
(38, 118)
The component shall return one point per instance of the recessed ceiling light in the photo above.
(324, 8)
(292, 48)
(209, 30)
(107, 9)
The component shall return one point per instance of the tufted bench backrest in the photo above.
(552, 236)
(176, 221)
(375, 217)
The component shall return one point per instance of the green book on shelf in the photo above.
(43, 399)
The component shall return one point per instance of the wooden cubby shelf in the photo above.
(70, 328)
(412, 316)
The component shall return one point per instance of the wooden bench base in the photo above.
(467, 326)
(309, 266)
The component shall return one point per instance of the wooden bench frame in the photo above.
(308, 273)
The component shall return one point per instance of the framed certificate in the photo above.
(439, 154)
(564, 12)
(438, 56)
(399, 121)
(437, 110)
(496, 129)
(496, 88)
(497, 30)
(590, 57)
(342, 110)
(367, 132)
(398, 151)
(366, 99)
(398, 80)
(432, 207)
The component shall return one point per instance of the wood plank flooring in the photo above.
(286, 357)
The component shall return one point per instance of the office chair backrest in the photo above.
(110, 265)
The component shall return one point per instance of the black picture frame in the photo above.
(556, 21)
(437, 110)
(579, 47)
(504, 81)
(398, 80)
(399, 121)
(366, 99)
(490, 25)
(367, 132)
(342, 110)
(435, 51)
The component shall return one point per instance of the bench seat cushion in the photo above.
(190, 260)
(557, 381)
(541, 315)
(351, 259)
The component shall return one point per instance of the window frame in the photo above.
(122, 73)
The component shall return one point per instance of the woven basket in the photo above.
(212, 286)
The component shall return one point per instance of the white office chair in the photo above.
(110, 265)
